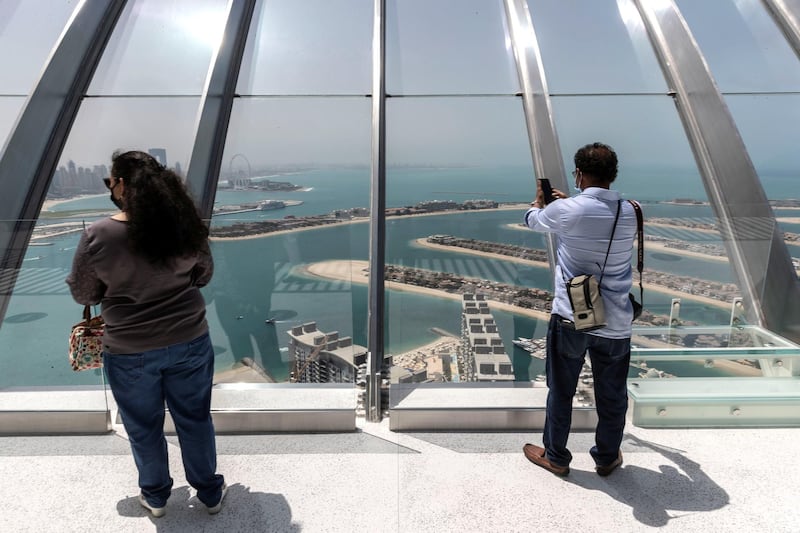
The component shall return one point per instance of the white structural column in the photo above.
(752, 238)
(545, 150)
(787, 14)
(215, 110)
(377, 208)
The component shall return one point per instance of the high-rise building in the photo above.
(324, 357)
(482, 355)
(160, 154)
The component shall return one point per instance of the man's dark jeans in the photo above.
(610, 359)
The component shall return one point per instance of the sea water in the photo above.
(262, 278)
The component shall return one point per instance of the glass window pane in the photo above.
(595, 47)
(149, 123)
(27, 38)
(161, 47)
(685, 256)
(767, 126)
(448, 47)
(743, 46)
(10, 108)
(459, 177)
(290, 222)
(40, 304)
(41, 311)
(309, 47)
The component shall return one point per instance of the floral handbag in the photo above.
(86, 342)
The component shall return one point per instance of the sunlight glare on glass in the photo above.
(526, 38)
(630, 16)
(660, 5)
(205, 27)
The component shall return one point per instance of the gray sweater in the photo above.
(145, 306)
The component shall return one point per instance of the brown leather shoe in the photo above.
(535, 454)
(606, 470)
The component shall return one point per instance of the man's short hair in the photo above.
(598, 160)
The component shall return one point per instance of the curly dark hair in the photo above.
(163, 219)
(598, 160)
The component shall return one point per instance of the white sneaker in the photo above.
(157, 512)
(217, 508)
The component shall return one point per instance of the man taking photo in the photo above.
(584, 225)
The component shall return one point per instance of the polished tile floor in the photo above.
(375, 480)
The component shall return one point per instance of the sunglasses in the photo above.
(107, 181)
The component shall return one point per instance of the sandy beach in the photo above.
(423, 243)
(543, 264)
(48, 205)
(239, 374)
(244, 371)
(356, 272)
(428, 349)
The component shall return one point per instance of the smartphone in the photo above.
(547, 190)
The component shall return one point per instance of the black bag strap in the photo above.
(613, 230)
(640, 249)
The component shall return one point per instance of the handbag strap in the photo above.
(610, 240)
(87, 313)
(640, 250)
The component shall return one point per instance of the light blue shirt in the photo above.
(583, 227)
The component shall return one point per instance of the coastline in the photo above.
(423, 243)
(285, 231)
(504, 207)
(654, 245)
(427, 349)
(354, 272)
(49, 204)
(239, 373)
(647, 223)
(727, 364)
(543, 264)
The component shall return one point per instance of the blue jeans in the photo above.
(610, 360)
(181, 375)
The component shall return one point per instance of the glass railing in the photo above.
(714, 376)
(283, 304)
(468, 288)
(287, 305)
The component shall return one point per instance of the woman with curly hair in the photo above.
(145, 266)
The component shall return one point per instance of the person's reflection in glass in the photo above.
(242, 294)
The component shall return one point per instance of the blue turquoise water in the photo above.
(261, 278)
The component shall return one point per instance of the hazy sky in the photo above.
(307, 67)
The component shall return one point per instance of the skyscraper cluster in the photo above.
(72, 180)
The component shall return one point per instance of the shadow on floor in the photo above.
(678, 488)
(242, 510)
